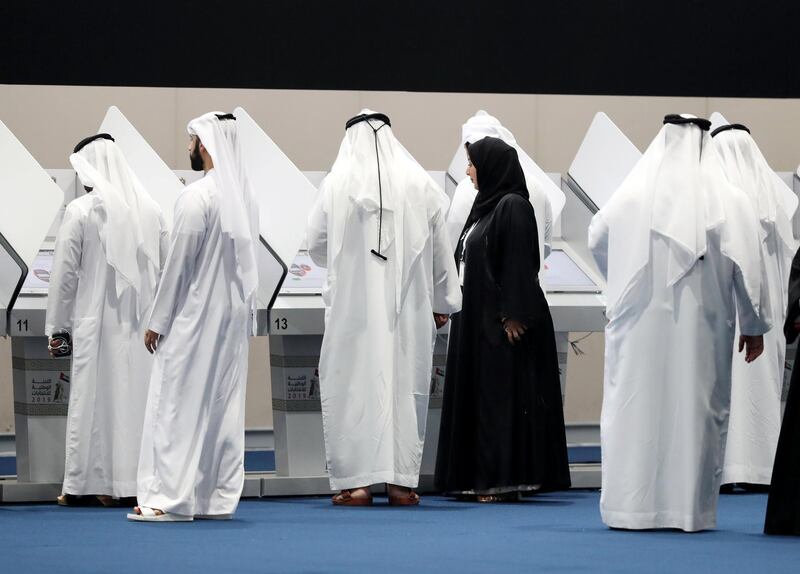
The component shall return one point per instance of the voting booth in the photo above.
(285, 199)
(32, 201)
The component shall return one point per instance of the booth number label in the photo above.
(22, 326)
(281, 324)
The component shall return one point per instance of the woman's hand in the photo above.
(514, 330)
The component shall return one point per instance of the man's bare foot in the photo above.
(401, 495)
(362, 492)
(156, 511)
(353, 497)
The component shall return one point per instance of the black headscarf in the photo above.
(499, 173)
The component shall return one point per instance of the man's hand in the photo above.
(440, 320)
(754, 345)
(514, 330)
(151, 341)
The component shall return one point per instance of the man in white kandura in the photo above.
(192, 461)
(483, 125)
(755, 414)
(378, 226)
(680, 248)
(108, 256)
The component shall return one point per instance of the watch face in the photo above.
(60, 344)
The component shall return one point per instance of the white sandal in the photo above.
(149, 515)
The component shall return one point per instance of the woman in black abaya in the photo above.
(502, 430)
(783, 506)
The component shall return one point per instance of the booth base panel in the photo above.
(12, 490)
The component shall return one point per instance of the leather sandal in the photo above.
(346, 498)
(409, 499)
(76, 500)
(108, 501)
(503, 497)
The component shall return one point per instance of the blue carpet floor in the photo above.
(559, 532)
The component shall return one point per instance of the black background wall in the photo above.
(631, 47)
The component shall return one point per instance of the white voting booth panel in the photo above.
(67, 180)
(315, 177)
(31, 200)
(717, 120)
(156, 176)
(458, 168)
(285, 198)
(605, 158)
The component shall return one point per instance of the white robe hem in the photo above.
(124, 489)
(387, 476)
(660, 519)
(747, 474)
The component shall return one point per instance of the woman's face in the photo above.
(472, 173)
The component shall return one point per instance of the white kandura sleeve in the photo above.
(598, 242)
(446, 286)
(317, 230)
(752, 321)
(188, 232)
(64, 277)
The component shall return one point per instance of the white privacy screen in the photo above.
(156, 176)
(285, 197)
(458, 167)
(31, 201)
(603, 161)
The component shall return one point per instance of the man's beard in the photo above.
(196, 158)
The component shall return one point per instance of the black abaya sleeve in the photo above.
(793, 309)
(514, 252)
